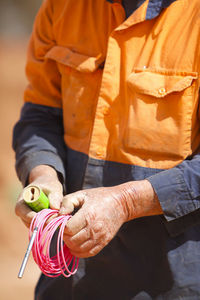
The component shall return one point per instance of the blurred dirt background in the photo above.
(16, 19)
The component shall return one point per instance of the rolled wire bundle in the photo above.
(63, 262)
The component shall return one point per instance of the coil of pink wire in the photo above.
(63, 262)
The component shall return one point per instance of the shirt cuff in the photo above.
(173, 193)
(31, 160)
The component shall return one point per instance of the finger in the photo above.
(55, 199)
(67, 206)
(86, 244)
(78, 248)
(77, 239)
(81, 252)
(94, 250)
(94, 233)
(76, 223)
(71, 201)
(24, 212)
(53, 190)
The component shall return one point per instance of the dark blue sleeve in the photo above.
(178, 190)
(38, 139)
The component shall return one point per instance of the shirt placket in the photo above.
(109, 91)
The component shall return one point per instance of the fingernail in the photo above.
(62, 211)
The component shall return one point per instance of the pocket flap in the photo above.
(160, 84)
(79, 62)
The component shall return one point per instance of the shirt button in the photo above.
(162, 91)
(106, 111)
(99, 152)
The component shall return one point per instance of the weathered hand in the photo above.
(102, 212)
(46, 178)
(97, 221)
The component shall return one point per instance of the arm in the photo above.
(104, 210)
(178, 191)
(38, 139)
(38, 135)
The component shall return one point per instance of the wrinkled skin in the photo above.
(101, 211)
(97, 221)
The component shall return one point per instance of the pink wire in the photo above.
(63, 262)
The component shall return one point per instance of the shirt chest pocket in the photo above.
(161, 108)
(80, 82)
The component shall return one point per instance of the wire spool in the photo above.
(47, 222)
(63, 263)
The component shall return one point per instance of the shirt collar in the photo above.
(154, 7)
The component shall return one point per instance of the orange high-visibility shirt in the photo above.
(128, 88)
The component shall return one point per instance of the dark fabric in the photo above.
(131, 6)
(153, 10)
(155, 257)
(166, 247)
(38, 139)
(178, 196)
(155, 7)
(141, 262)
(180, 207)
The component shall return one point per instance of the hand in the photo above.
(97, 221)
(102, 212)
(46, 178)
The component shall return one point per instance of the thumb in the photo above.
(55, 199)
(69, 203)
